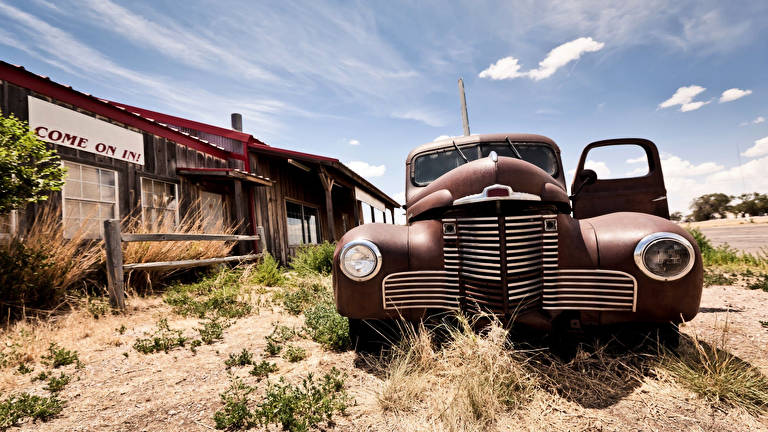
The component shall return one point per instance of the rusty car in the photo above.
(491, 228)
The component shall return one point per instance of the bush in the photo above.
(217, 295)
(38, 269)
(18, 407)
(243, 359)
(267, 272)
(58, 357)
(302, 294)
(57, 384)
(326, 327)
(30, 170)
(236, 414)
(263, 369)
(294, 354)
(302, 407)
(163, 339)
(314, 259)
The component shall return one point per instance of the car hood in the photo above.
(473, 177)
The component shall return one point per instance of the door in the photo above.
(639, 187)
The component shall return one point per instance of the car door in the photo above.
(644, 193)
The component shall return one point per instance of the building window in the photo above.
(303, 226)
(159, 203)
(378, 216)
(212, 211)
(367, 214)
(90, 197)
(389, 217)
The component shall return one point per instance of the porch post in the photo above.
(327, 183)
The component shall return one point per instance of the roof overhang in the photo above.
(224, 174)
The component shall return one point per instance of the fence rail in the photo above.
(114, 239)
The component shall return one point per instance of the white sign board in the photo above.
(62, 126)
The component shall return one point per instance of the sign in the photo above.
(62, 126)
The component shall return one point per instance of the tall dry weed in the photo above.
(193, 222)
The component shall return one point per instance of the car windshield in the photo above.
(430, 166)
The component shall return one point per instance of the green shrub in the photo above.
(218, 295)
(263, 369)
(23, 369)
(273, 348)
(18, 407)
(58, 357)
(57, 384)
(704, 244)
(294, 354)
(212, 330)
(42, 376)
(163, 339)
(20, 271)
(243, 359)
(236, 413)
(299, 296)
(267, 272)
(727, 257)
(760, 283)
(715, 277)
(314, 259)
(299, 408)
(326, 327)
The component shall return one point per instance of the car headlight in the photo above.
(664, 256)
(360, 260)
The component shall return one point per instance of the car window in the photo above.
(538, 154)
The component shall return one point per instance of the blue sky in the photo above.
(368, 81)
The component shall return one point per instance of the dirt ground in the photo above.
(120, 389)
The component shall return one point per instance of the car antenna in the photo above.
(514, 148)
(464, 115)
(459, 150)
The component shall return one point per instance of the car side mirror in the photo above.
(585, 177)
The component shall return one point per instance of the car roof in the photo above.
(472, 139)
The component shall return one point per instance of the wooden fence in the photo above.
(114, 239)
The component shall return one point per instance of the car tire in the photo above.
(372, 335)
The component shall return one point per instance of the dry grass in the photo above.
(466, 384)
(716, 375)
(192, 223)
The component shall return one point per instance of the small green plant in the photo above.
(18, 407)
(23, 369)
(281, 333)
(58, 357)
(236, 413)
(764, 324)
(163, 339)
(294, 354)
(263, 369)
(57, 384)
(215, 295)
(97, 307)
(299, 408)
(273, 348)
(311, 259)
(42, 376)
(121, 330)
(716, 277)
(760, 283)
(245, 358)
(212, 330)
(267, 272)
(326, 327)
(301, 296)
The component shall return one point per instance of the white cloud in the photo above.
(599, 167)
(366, 170)
(399, 197)
(758, 120)
(733, 94)
(354, 142)
(643, 158)
(684, 97)
(759, 149)
(427, 117)
(442, 137)
(674, 166)
(509, 67)
(747, 177)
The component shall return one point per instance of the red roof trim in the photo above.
(182, 122)
(21, 77)
(285, 152)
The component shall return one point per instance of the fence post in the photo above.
(114, 252)
(262, 240)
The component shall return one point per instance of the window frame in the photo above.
(302, 205)
(177, 188)
(64, 198)
(13, 225)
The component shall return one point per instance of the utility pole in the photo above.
(464, 116)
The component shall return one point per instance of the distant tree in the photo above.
(752, 204)
(29, 171)
(676, 216)
(707, 206)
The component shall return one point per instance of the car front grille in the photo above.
(507, 265)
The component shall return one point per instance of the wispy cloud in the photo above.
(354, 142)
(733, 94)
(684, 97)
(427, 117)
(759, 149)
(509, 67)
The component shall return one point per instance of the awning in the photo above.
(224, 174)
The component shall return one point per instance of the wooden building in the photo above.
(126, 161)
